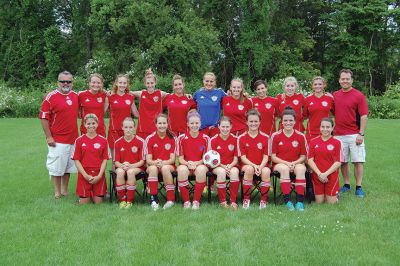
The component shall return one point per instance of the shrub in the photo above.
(383, 107)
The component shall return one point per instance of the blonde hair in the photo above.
(178, 77)
(289, 79)
(128, 119)
(225, 119)
(90, 116)
(149, 74)
(241, 96)
(115, 88)
(193, 113)
(97, 75)
(210, 74)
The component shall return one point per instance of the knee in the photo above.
(248, 170)
(152, 170)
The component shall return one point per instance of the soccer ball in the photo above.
(211, 159)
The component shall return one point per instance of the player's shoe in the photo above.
(187, 205)
(344, 189)
(122, 204)
(154, 205)
(300, 206)
(263, 205)
(360, 193)
(246, 204)
(128, 205)
(234, 206)
(224, 205)
(168, 205)
(195, 205)
(290, 206)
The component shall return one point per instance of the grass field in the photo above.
(36, 229)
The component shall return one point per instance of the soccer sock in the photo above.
(233, 189)
(170, 192)
(299, 198)
(264, 190)
(358, 187)
(347, 186)
(130, 189)
(198, 190)
(121, 192)
(300, 186)
(221, 188)
(285, 186)
(184, 189)
(153, 184)
(247, 184)
(286, 198)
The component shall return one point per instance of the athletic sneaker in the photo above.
(263, 205)
(246, 204)
(224, 205)
(168, 204)
(300, 206)
(122, 204)
(187, 205)
(360, 193)
(154, 205)
(290, 206)
(234, 206)
(128, 205)
(344, 189)
(195, 205)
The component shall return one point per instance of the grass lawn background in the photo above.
(36, 229)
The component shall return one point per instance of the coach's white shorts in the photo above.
(59, 159)
(351, 150)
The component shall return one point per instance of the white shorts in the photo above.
(351, 150)
(59, 159)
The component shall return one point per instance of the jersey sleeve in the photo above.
(311, 151)
(117, 156)
(362, 105)
(303, 147)
(241, 147)
(77, 154)
(106, 155)
(338, 156)
(305, 109)
(179, 149)
(266, 147)
(45, 110)
(141, 150)
(274, 146)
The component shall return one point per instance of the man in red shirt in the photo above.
(58, 115)
(351, 112)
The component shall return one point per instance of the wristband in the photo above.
(361, 134)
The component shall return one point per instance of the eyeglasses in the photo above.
(65, 81)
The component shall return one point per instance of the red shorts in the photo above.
(331, 188)
(210, 131)
(86, 190)
(113, 136)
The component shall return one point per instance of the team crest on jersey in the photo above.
(259, 145)
(134, 149)
(87, 100)
(184, 102)
(231, 147)
(295, 143)
(69, 102)
(240, 107)
(325, 104)
(99, 100)
(268, 105)
(128, 102)
(167, 146)
(295, 102)
(214, 98)
(155, 98)
(97, 145)
(330, 147)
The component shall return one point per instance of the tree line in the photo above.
(251, 39)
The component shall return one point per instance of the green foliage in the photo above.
(383, 107)
(18, 103)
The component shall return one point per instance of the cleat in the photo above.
(234, 206)
(154, 205)
(300, 206)
(195, 205)
(224, 205)
(187, 205)
(128, 205)
(290, 206)
(263, 205)
(168, 205)
(122, 204)
(344, 189)
(246, 204)
(360, 193)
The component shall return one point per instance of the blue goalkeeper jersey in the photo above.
(209, 105)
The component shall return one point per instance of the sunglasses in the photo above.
(65, 81)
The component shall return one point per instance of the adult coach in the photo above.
(351, 111)
(58, 115)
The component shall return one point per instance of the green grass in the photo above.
(36, 229)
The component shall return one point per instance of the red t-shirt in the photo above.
(120, 108)
(92, 104)
(253, 148)
(178, 108)
(159, 148)
(129, 151)
(150, 107)
(193, 149)
(236, 111)
(315, 109)
(91, 152)
(296, 101)
(288, 148)
(226, 148)
(325, 153)
(61, 110)
(349, 106)
(268, 108)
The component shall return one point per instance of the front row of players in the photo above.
(287, 149)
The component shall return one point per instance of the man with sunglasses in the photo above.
(58, 115)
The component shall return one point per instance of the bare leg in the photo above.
(358, 173)
(64, 184)
(346, 173)
(57, 186)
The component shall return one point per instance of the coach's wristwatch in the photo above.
(361, 134)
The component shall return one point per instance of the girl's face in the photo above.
(209, 82)
(178, 86)
(225, 128)
(288, 122)
(326, 128)
(128, 127)
(253, 122)
(318, 86)
(95, 84)
(122, 84)
(261, 91)
(194, 124)
(91, 125)
(236, 88)
(290, 88)
(162, 124)
(150, 83)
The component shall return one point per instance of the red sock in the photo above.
(285, 186)
(264, 190)
(300, 186)
(233, 190)
(184, 188)
(170, 192)
(247, 185)
(121, 192)
(153, 185)
(130, 191)
(221, 189)
(198, 190)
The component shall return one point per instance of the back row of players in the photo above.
(209, 101)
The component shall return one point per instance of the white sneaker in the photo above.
(187, 205)
(168, 204)
(154, 206)
(246, 204)
(196, 205)
(263, 205)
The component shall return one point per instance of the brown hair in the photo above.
(169, 132)
(90, 116)
(225, 119)
(149, 74)
(346, 70)
(289, 111)
(96, 75)
(258, 83)
(115, 88)
(318, 77)
(328, 119)
(253, 111)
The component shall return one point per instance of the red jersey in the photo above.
(61, 110)
(149, 107)
(159, 148)
(268, 108)
(296, 101)
(236, 111)
(193, 149)
(178, 108)
(253, 148)
(288, 148)
(325, 153)
(91, 152)
(91, 103)
(120, 108)
(129, 151)
(349, 106)
(226, 148)
(315, 109)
